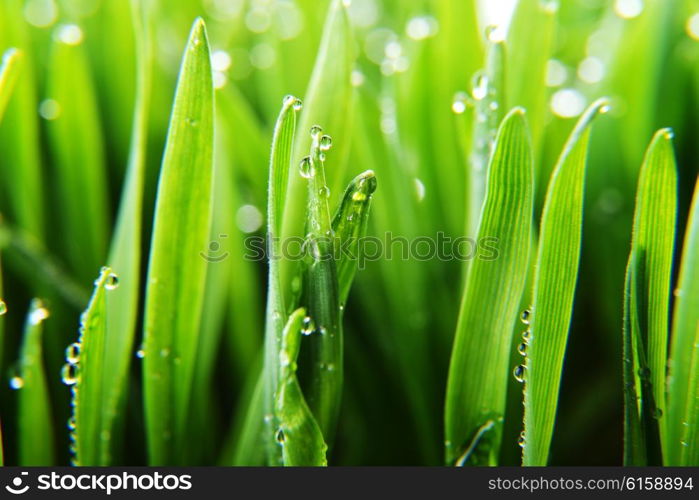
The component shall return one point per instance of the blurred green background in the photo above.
(410, 120)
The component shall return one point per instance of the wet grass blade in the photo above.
(176, 271)
(478, 372)
(554, 288)
(682, 426)
(36, 439)
(79, 159)
(85, 372)
(9, 71)
(299, 434)
(279, 172)
(349, 226)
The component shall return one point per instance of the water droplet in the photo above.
(111, 282)
(521, 439)
(70, 34)
(358, 196)
(16, 383)
(220, 60)
(316, 130)
(191, 122)
(324, 192)
(308, 326)
(321, 157)
(69, 374)
(518, 372)
(141, 353)
(522, 348)
(495, 34)
(39, 313)
(692, 26)
(526, 335)
(525, 316)
(73, 353)
(567, 103)
(71, 423)
(49, 109)
(657, 413)
(480, 86)
(460, 103)
(3, 307)
(628, 9)
(306, 168)
(605, 108)
(268, 418)
(280, 436)
(421, 27)
(326, 143)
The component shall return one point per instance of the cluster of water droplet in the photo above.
(520, 370)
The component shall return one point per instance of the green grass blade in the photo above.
(279, 172)
(682, 425)
(85, 370)
(478, 372)
(36, 439)
(647, 313)
(79, 159)
(9, 71)
(327, 102)
(349, 226)
(321, 292)
(299, 434)
(176, 272)
(554, 288)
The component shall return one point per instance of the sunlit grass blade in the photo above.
(9, 72)
(682, 425)
(554, 288)
(321, 293)
(299, 434)
(478, 372)
(90, 383)
(176, 271)
(279, 172)
(36, 438)
(349, 226)
(328, 102)
(121, 310)
(79, 159)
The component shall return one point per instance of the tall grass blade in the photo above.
(682, 426)
(478, 372)
(554, 288)
(299, 434)
(35, 424)
(176, 272)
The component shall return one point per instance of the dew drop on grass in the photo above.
(111, 282)
(518, 372)
(39, 313)
(308, 326)
(294, 101)
(49, 109)
(460, 103)
(567, 103)
(306, 168)
(480, 86)
(69, 374)
(526, 335)
(3, 307)
(324, 192)
(141, 353)
(316, 130)
(73, 353)
(280, 436)
(16, 382)
(526, 314)
(326, 143)
(522, 348)
(628, 9)
(419, 189)
(70, 34)
(495, 34)
(71, 423)
(521, 440)
(657, 413)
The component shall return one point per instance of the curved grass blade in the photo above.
(280, 162)
(321, 292)
(298, 435)
(327, 101)
(79, 158)
(554, 288)
(121, 310)
(682, 427)
(35, 424)
(478, 371)
(9, 71)
(647, 303)
(176, 271)
(349, 226)
(85, 370)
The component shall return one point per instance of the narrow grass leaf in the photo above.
(9, 71)
(176, 272)
(35, 424)
(682, 443)
(554, 288)
(299, 434)
(279, 172)
(478, 372)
